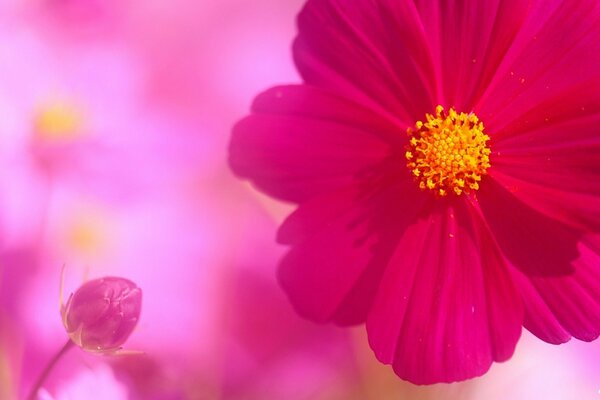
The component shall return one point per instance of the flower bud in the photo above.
(102, 313)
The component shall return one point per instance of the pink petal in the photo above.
(539, 319)
(302, 141)
(532, 242)
(469, 40)
(557, 49)
(550, 157)
(342, 242)
(316, 103)
(446, 307)
(560, 307)
(578, 210)
(556, 266)
(542, 124)
(373, 52)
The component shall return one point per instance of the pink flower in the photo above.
(102, 313)
(483, 219)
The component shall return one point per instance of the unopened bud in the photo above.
(102, 313)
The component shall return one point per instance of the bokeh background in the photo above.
(114, 123)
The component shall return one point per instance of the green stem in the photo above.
(40, 381)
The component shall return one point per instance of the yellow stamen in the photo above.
(448, 153)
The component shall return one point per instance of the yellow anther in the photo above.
(449, 152)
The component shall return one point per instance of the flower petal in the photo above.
(560, 307)
(532, 242)
(551, 158)
(446, 307)
(342, 242)
(302, 141)
(373, 52)
(539, 319)
(556, 266)
(469, 39)
(548, 154)
(580, 211)
(557, 48)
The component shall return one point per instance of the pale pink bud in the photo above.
(102, 313)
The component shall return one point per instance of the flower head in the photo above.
(483, 219)
(102, 313)
(448, 153)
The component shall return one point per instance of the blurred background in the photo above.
(114, 123)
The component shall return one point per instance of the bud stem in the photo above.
(49, 367)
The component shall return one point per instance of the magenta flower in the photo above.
(484, 218)
(98, 317)
(102, 313)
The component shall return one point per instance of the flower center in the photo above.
(448, 153)
(58, 120)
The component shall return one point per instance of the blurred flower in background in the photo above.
(115, 117)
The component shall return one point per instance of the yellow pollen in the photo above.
(448, 153)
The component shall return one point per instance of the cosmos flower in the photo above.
(445, 159)
(102, 313)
